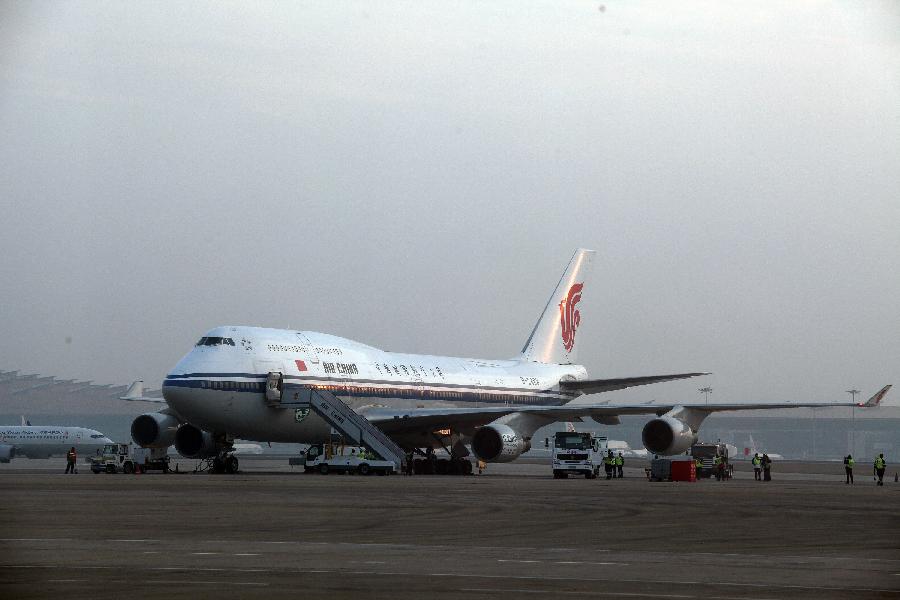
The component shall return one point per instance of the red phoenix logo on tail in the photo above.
(569, 317)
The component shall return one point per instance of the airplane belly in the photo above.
(246, 416)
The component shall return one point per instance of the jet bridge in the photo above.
(336, 413)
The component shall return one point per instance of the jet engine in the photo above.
(6, 453)
(193, 442)
(154, 430)
(498, 443)
(667, 436)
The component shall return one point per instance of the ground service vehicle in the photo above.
(128, 458)
(337, 458)
(707, 454)
(577, 453)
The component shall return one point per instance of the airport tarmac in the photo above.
(514, 532)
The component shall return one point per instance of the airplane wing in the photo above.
(404, 421)
(597, 386)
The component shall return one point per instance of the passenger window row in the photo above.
(246, 386)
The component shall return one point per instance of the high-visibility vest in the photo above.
(850, 463)
(756, 461)
(879, 463)
(620, 461)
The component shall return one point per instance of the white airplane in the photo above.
(44, 441)
(217, 392)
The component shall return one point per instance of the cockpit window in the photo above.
(96, 436)
(215, 341)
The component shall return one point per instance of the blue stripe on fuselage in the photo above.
(255, 384)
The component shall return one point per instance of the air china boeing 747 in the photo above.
(221, 390)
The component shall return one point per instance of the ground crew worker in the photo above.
(71, 459)
(757, 466)
(717, 465)
(848, 469)
(698, 464)
(880, 465)
(767, 467)
(620, 463)
(608, 464)
(481, 466)
(409, 463)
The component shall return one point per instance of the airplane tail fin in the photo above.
(876, 399)
(135, 391)
(25, 421)
(553, 338)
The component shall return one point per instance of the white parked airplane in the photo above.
(44, 441)
(217, 392)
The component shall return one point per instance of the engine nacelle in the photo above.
(667, 436)
(6, 453)
(498, 443)
(193, 442)
(154, 430)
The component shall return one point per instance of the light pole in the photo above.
(706, 391)
(853, 394)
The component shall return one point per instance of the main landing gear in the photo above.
(430, 464)
(225, 462)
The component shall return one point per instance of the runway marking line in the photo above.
(188, 582)
(476, 576)
(512, 560)
(584, 562)
(205, 553)
(578, 593)
(246, 554)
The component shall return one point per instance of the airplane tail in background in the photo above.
(25, 421)
(876, 399)
(553, 338)
(135, 391)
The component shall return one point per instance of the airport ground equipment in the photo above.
(675, 468)
(352, 425)
(577, 453)
(337, 458)
(129, 458)
(707, 453)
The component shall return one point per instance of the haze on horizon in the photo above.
(417, 175)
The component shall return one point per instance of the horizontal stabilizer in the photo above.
(597, 386)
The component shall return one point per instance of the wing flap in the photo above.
(598, 386)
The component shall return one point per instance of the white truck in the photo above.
(129, 458)
(577, 453)
(337, 458)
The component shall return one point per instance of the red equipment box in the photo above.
(684, 470)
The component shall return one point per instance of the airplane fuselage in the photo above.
(44, 441)
(220, 384)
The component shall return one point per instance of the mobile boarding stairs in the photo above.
(354, 426)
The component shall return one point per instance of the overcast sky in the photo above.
(416, 176)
